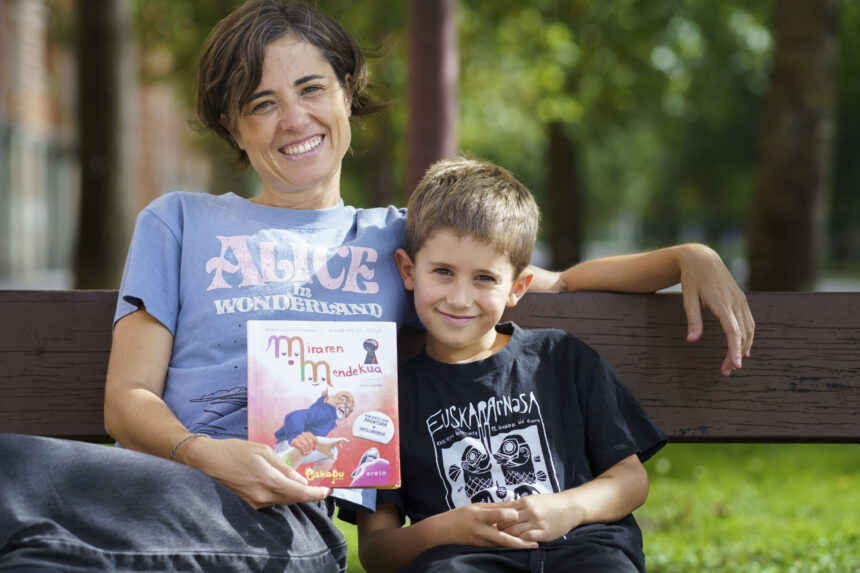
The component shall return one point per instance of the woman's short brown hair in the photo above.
(231, 63)
(477, 199)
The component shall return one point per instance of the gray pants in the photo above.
(71, 506)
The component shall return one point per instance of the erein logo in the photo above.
(296, 352)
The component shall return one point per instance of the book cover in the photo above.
(323, 395)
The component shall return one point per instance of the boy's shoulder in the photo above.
(544, 340)
(528, 344)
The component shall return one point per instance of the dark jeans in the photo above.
(576, 557)
(71, 506)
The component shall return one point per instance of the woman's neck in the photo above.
(303, 200)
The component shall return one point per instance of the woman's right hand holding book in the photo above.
(252, 471)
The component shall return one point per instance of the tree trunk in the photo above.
(104, 98)
(382, 190)
(433, 70)
(790, 210)
(564, 197)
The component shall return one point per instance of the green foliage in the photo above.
(664, 100)
(753, 507)
(845, 210)
(664, 97)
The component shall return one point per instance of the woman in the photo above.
(279, 82)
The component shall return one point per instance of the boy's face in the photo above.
(462, 287)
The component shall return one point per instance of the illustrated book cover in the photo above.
(323, 395)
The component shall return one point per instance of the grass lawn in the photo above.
(746, 507)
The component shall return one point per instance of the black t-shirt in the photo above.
(542, 415)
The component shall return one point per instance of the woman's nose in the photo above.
(292, 116)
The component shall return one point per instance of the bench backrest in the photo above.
(802, 383)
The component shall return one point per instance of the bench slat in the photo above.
(802, 383)
(54, 348)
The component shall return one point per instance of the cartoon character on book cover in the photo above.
(324, 396)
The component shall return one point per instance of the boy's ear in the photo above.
(406, 268)
(519, 288)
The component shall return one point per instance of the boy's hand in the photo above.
(542, 517)
(475, 524)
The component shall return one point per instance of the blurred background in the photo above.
(636, 124)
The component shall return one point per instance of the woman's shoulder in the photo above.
(176, 207)
(182, 200)
(382, 215)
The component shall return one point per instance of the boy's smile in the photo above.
(462, 287)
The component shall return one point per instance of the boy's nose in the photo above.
(459, 295)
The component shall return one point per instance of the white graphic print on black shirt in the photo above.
(492, 450)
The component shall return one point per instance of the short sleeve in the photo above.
(348, 512)
(616, 425)
(151, 275)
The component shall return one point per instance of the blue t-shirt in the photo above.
(203, 265)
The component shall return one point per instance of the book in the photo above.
(337, 383)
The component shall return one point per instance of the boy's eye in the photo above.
(485, 278)
(442, 272)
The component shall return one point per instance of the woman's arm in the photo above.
(137, 417)
(607, 498)
(385, 546)
(705, 282)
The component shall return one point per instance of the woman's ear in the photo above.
(348, 93)
(519, 287)
(226, 125)
(406, 268)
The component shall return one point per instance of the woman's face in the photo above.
(295, 128)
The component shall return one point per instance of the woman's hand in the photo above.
(707, 284)
(251, 470)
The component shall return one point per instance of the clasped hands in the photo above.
(520, 523)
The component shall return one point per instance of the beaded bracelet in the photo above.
(183, 440)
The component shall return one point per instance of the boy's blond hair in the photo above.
(478, 199)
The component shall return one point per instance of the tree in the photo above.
(790, 210)
(433, 72)
(104, 90)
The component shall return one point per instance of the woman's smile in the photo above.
(302, 149)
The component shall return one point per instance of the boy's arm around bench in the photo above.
(706, 283)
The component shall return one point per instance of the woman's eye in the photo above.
(262, 106)
(311, 89)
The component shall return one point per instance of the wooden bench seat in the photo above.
(802, 383)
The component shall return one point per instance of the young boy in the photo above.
(520, 450)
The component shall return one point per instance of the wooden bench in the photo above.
(802, 383)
